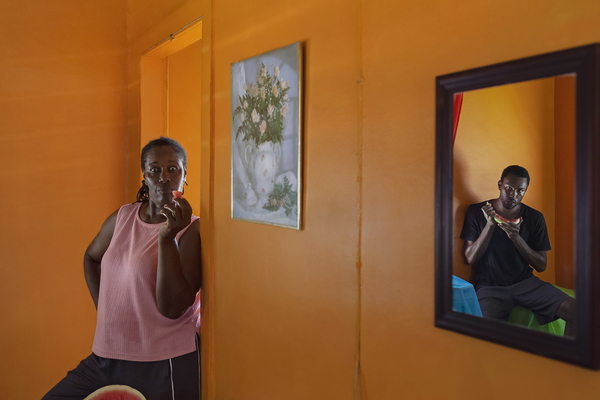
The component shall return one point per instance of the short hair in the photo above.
(517, 171)
(162, 141)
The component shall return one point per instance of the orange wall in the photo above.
(170, 97)
(288, 313)
(62, 114)
(564, 144)
(286, 300)
(498, 127)
(184, 121)
(406, 45)
(149, 23)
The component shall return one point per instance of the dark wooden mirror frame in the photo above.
(585, 63)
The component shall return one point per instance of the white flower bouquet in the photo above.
(263, 108)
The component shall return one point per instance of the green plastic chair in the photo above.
(524, 317)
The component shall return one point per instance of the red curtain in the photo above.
(458, 99)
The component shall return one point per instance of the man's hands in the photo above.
(473, 251)
(488, 212)
(512, 230)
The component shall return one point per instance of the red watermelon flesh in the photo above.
(501, 220)
(116, 392)
(177, 194)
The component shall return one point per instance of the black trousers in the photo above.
(172, 379)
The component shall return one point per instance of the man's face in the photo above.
(512, 190)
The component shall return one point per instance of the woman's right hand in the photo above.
(178, 215)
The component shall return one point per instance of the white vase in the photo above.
(263, 163)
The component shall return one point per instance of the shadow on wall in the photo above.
(463, 198)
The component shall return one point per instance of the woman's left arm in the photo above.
(179, 273)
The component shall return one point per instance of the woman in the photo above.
(143, 270)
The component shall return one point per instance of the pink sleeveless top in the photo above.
(129, 325)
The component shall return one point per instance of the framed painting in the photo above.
(266, 138)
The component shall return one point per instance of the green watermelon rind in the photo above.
(116, 392)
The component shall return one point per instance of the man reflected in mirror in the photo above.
(504, 251)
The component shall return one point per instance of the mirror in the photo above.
(532, 124)
(542, 113)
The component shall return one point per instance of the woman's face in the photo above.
(164, 172)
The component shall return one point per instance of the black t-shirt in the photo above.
(502, 264)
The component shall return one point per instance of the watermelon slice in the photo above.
(177, 194)
(501, 220)
(116, 392)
